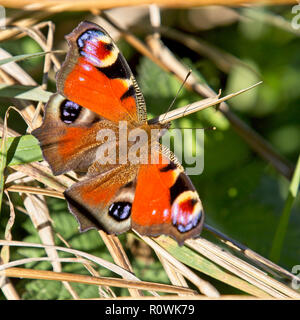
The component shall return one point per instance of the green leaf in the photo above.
(27, 56)
(42, 290)
(285, 217)
(24, 92)
(23, 149)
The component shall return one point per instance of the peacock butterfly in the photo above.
(96, 92)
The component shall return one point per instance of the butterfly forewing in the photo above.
(96, 76)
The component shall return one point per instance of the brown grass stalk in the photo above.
(242, 269)
(117, 252)
(204, 286)
(103, 281)
(35, 190)
(81, 5)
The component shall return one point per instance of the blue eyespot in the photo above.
(88, 35)
(69, 111)
(120, 210)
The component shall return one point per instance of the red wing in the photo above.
(166, 202)
(96, 76)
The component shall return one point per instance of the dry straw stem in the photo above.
(105, 292)
(259, 260)
(99, 261)
(102, 281)
(166, 60)
(5, 254)
(35, 190)
(204, 265)
(81, 5)
(240, 274)
(117, 252)
(197, 106)
(8, 289)
(223, 60)
(39, 259)
(204, 287)
(24, 22)
(5, 284)
(242, 269)
(175, 277)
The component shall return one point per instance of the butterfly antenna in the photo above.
(213, 128)
(173, 101)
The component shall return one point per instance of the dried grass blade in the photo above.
(40, 217)
(175, 277)
(223, 60)
(4, 254)
(242, 268)
(44, 175)
(203, 264)
(38, 36)
(242, 274)
(106, 264)
(197, 106)
(35, 190)
(114, 282)
(39, 214)
(105, 291)
(8, 289)
(24, 22)
(204, 286)
(3, 152)
(6, 286)
(17, 177)
(256, 258)
(117, 252)
(39, 259)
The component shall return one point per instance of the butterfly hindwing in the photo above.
(103, 201)
(168, 205)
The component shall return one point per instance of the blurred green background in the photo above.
(243, 195)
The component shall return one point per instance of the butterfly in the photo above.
(96, 91)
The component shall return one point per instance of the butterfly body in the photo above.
(96, 124)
